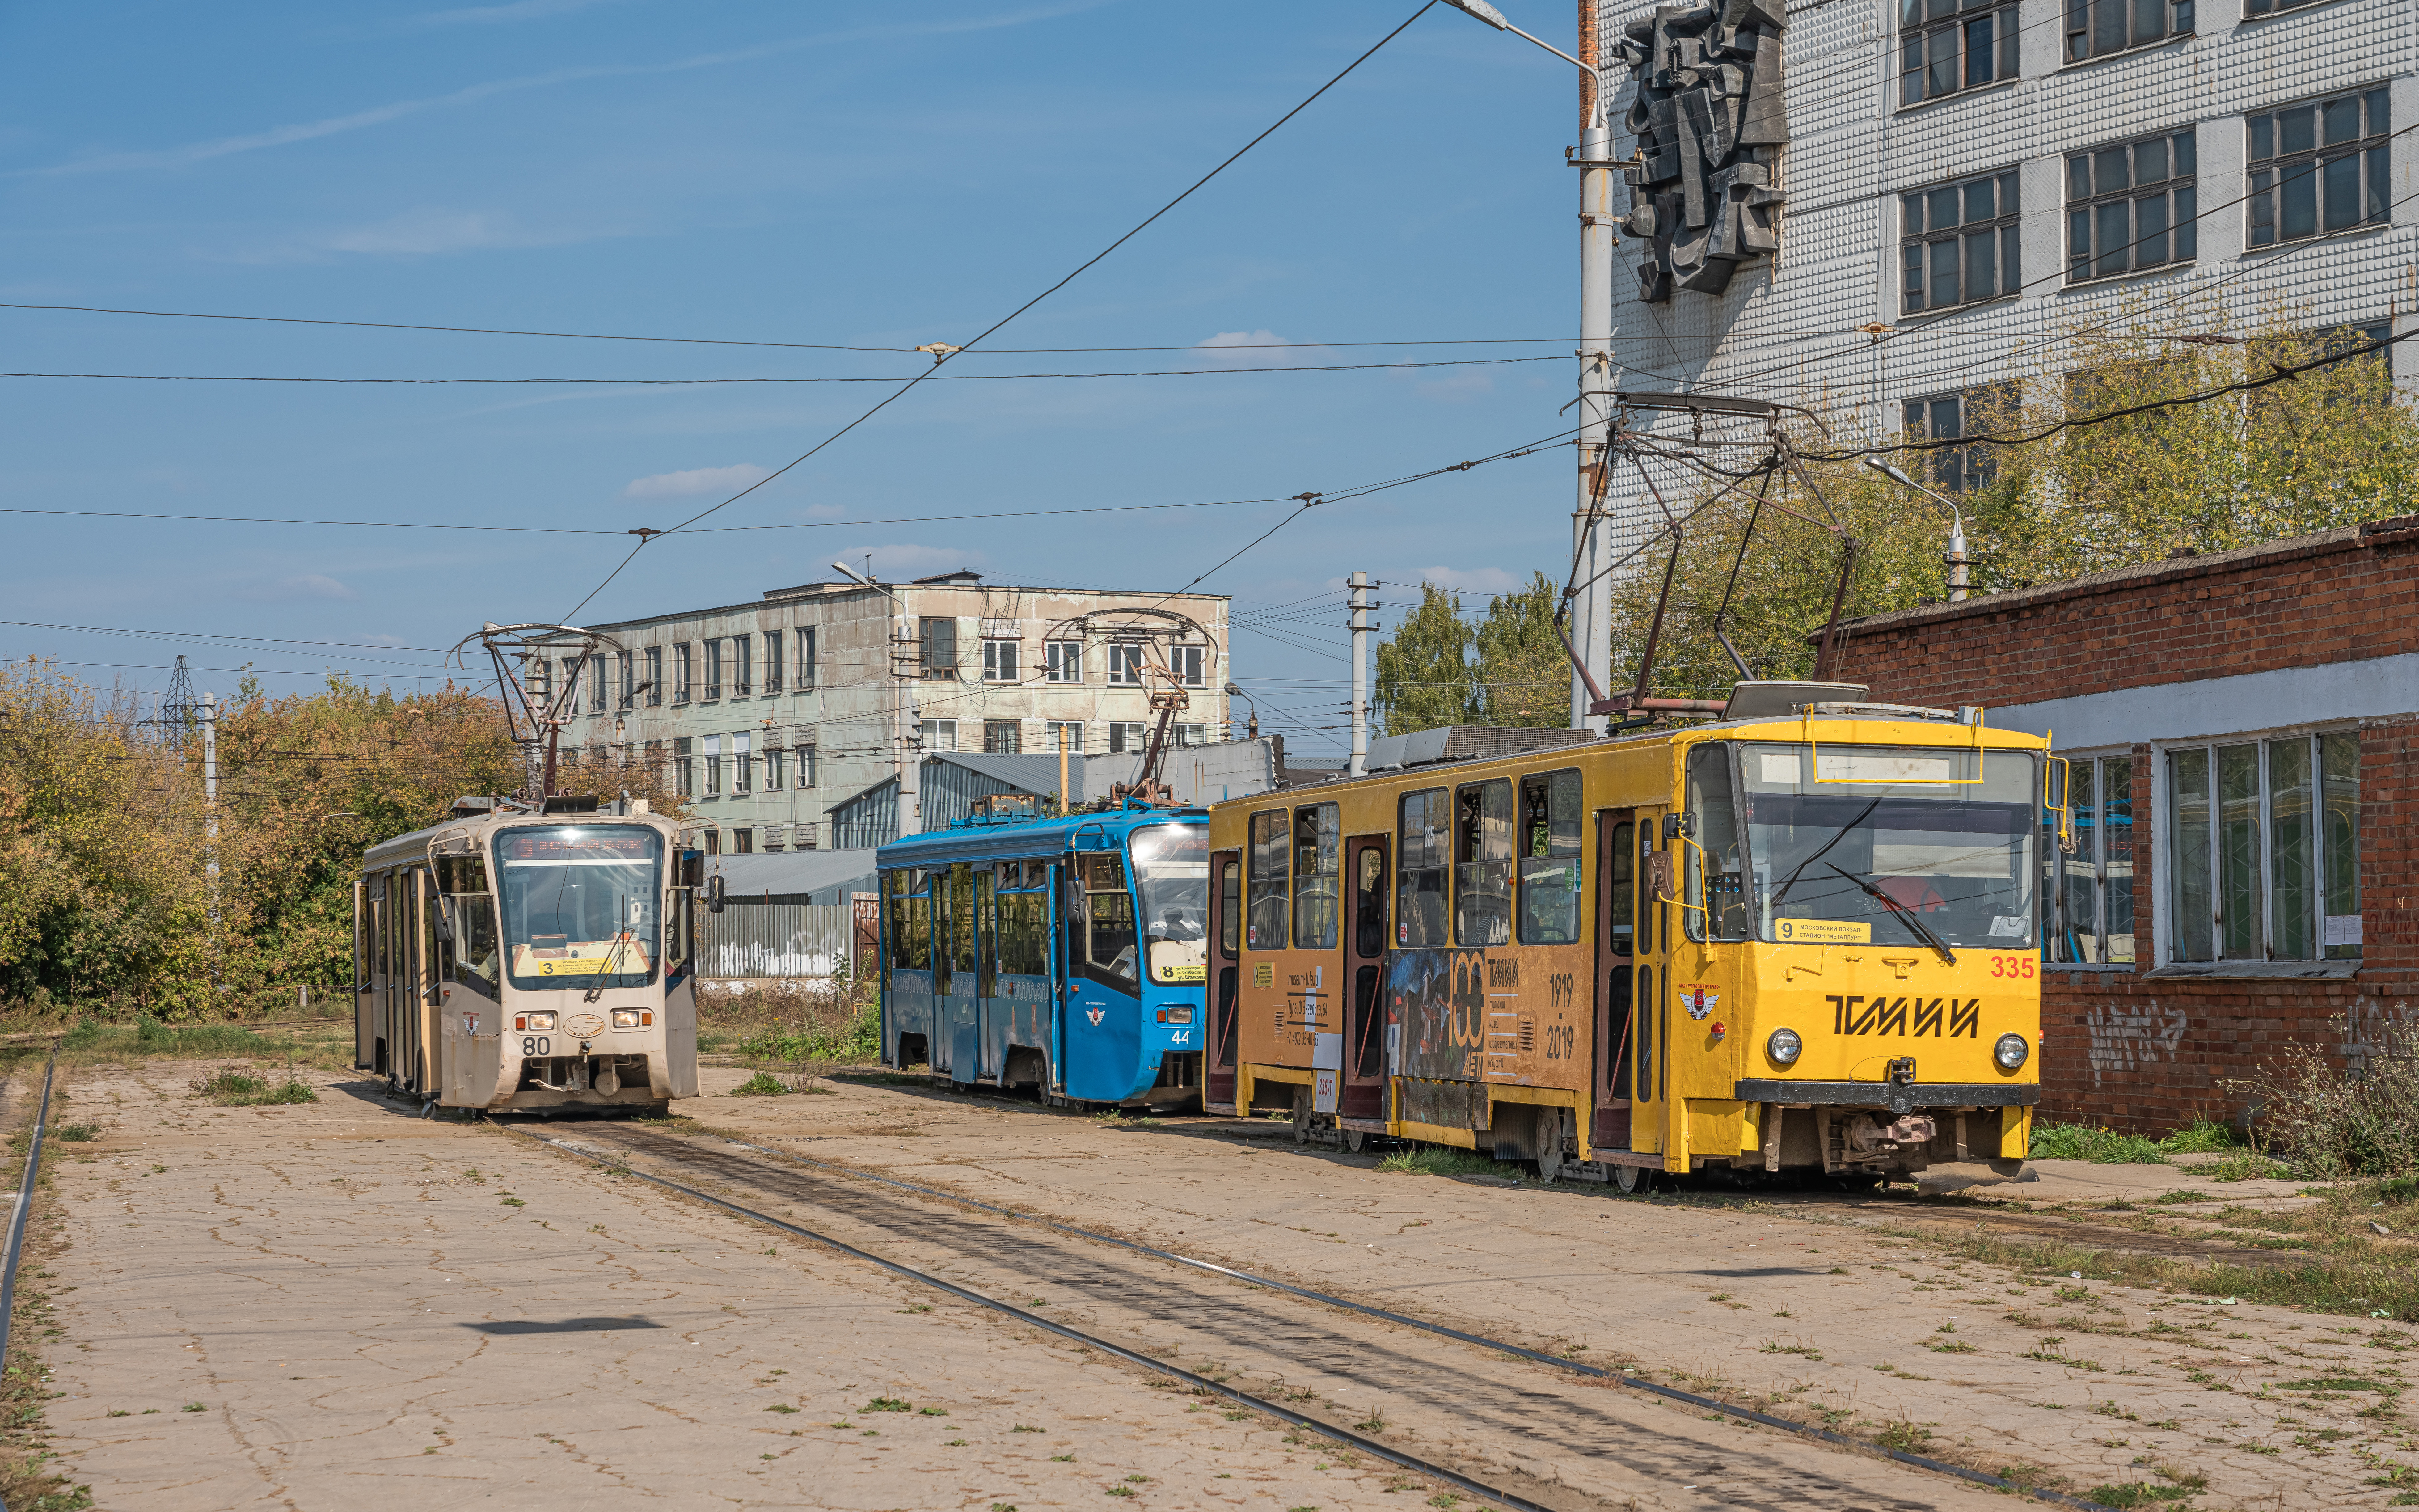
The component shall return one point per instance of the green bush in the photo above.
(764, 1083)
(242, 1086)
(2361, 1119)
(2201, 1137)
(857, 1040)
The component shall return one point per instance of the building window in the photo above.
(743, 659)
(1125, 666)
(713, 669)
(999, 661)
(1944, 46)
(628, 667)
(713, 760)
(2263, 849)
(680, 674)
(654, 677)
(937, 639)
(596, 683)
(742, 842)
(2270, 7)
(743, 765)
(1941, 417)
(1129, 736)
(773, 837)
(1003, 737)
(771, 661)
(1957, 243)
(1188, 734)
(775, 761)
(940, 735)
(803, 759)
(1185, 662)
(1072, 731)
(806, 661)
(2088, 911)
(2319, 166)
(2131, 206)
(2095, 28)
(683, 767)
(1064, 660)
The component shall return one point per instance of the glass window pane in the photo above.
(2340, 120)
(2189, 853)
(2078, 176)
(2299, 209)
(1981, 264)
(2078, 30)
(2238, 852)
(1944, 208)
(1318, 871)
(2108, 172)
(2187, 152)
(1915, 277)
(2116, 857)
(2110, 231)
(2297, 129)
(2078, 935)
(1482, 881)
(2151, 161)
(2377, 207)
(2183, 16)
(1977, 51)
(1421, 857)
(2342, 176)
(2290, 849)
(1269, 848)
(2263, 137)
(2149, 21)
(2009, 199)
(1911, 211)
(1946, 421)
(1942, 9)
(2009, 28)
(2010, 273)
(1944, 274)
(1978, 200)
(2339, 781)
(1944, 61)
(1910, 75)
(2108, 26)
(1910, 12)
(2078, 243)
(2263, 209)
(2187, 229)
(2377, 114)
(2150, 231)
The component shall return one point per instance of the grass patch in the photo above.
(1441, 1160)
(93, 1041)
(764, 1083)
(77, 1133)
(2136, 1493)
(241, 1087)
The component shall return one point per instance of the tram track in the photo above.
(1565, 1428)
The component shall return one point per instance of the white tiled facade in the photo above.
(1787, 329)
(830, 729)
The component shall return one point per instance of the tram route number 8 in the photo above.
(537, 1045)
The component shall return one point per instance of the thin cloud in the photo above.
(192, 153)
(1254, 348)
(825, 511)
(1489, 580)
(301, 585)
(696, 481)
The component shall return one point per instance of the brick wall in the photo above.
(2132, 1048)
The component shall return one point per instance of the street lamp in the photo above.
(1955, 560)
(1251, 731)
(1594, 159)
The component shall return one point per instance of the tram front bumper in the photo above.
(1931, 1178)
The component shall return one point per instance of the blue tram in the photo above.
(1067, 955)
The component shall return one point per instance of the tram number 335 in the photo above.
(537, 1045)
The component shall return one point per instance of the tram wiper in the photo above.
(1835, 839)
(1903, 911)
(612, 957)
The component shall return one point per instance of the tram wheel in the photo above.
(1634, 1180)
(1302, 1115)
(1549, 1144)
(1355, 1139)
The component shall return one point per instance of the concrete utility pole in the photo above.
(1360, 622)
(207, 714)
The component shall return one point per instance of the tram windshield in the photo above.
(1171, 863)
(581, 906)
(1847, 845)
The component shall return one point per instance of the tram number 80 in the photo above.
(536, 1045)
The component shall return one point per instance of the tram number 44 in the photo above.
(537, 1045)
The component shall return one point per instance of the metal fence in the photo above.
(773, 939)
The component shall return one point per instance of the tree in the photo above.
(1522, 668)
(1423, 672)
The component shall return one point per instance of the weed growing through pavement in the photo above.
(240, 1087)
(888, 1404)
(1441, 1160)
(764, 1083)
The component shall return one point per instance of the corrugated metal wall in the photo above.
(772, 939)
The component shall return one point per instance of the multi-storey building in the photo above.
(1961, 184)
(769, 715)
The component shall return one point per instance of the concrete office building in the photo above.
(769, 715)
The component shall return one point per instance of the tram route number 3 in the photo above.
(537, 1045)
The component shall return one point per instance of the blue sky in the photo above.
(857, 176)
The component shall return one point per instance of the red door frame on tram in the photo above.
(1363, 1091)
(1218, 1039)
(1616, 917)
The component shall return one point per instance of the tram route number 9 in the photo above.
(2011, 965)
(536, 1045)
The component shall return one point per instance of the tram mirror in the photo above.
(444, 923)
(714, 894)
(692, 869)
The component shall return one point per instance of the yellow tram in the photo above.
(529, 958)
(1800, 937)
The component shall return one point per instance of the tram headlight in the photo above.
(2011, 1052)
(1784, 1046)
(533, 1021)
(626, 1018)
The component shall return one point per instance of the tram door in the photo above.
(1650, 1077)
(1225, 928)
(960, 1010)
(1363, 1094)
(1615, 964)
(991, 1011)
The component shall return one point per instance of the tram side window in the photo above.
(470, 910)
(1103, 935)
(1420, 870)
(1317, 874)
(1550, 858)
(1717, 875)
(987, 934)
(1270, 832)
(1482, 855)
(1230, 908)
(1620, 901)
(1024, 933)
(937, 911)
(961, 923)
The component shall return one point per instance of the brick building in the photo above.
(2244, 733)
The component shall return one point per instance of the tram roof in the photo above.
(414, 845)
(1022, 838)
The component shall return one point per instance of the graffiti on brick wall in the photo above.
(1709, 119)
(2373, 1030)
(2124, 1039)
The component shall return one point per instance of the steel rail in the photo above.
(1997, 1483)
(24, 1204)
(1201, 1385)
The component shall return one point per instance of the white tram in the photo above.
(513, 958)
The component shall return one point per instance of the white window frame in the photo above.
(1187, 662)
(2165, 915)
(1063, 661)
(1074, 729)
(1125, 664)
(1000, 661)
(805, 675)
(940, 735)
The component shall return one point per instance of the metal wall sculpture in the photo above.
(1710, 122)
